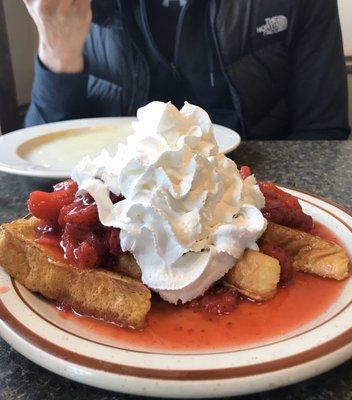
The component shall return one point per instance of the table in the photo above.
(320, 167)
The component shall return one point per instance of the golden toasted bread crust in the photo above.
(128, 266)
(98, 292)
(310, 253)
(255, 275)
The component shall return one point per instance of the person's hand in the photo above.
(63, 26)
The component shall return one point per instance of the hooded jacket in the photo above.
(282, 60)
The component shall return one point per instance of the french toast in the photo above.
(97, 292)
(255, 275)
(119, 296)
(310, 253)
(127, 265)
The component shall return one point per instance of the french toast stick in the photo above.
(128, 266)
(255, 275)
(310, 253)
(96, 292)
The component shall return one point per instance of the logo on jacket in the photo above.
(273, 25)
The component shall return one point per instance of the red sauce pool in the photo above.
(325, 233)
(4, 289)
(178, 329)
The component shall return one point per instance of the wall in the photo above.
(350, 97)
(23, 43)
(345, 7)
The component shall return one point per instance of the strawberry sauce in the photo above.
(4, 289)
(180, 329)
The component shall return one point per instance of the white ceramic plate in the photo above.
(31, 325)
(51, 150)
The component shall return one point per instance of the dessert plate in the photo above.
(51, 150)
(34, 328)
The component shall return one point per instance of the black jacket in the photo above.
(283, 61)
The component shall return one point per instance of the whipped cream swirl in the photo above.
(187, 216)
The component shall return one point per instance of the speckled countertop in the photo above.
(323, 168)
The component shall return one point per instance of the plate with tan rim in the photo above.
(52, 150)
(36, 329)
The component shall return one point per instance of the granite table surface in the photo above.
(323, 168)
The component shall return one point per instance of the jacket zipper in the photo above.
(179, 29)
(173, 65)
(212, 13)
(132, 106)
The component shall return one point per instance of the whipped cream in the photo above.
(187, 216)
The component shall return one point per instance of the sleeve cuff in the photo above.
(59, 90)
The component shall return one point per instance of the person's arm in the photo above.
(318, 102)
(56, 96)
(60, 83)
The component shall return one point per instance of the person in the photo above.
(268, 69)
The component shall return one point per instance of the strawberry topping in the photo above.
(73, 223)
